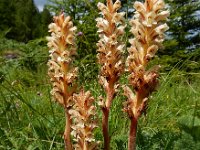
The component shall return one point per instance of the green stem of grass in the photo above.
(132, 134)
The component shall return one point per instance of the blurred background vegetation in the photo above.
(29, 118)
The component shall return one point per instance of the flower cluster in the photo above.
(84, 122)
(110, 47)
(148, 29)
(62, 48)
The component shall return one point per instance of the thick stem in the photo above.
(67, 139)
(85, 145)
(105, 118)
(132, 134)
(105, 128)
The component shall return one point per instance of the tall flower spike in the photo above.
(62, 73)
(110, 48)
(83, 115)
(148, 29)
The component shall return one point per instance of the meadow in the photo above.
(121, 42)
(31, 120)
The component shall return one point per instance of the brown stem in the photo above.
(106, 111)
(67, 140)
(105, 128)
(132, 134)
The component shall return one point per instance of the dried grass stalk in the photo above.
(148, 28)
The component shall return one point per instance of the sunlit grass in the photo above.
(31, 120)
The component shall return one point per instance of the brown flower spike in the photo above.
(61, 71)
(148, 29)
(110, 48)
(84, 121)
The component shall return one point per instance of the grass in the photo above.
(31, 120)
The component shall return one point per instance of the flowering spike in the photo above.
(148, 30)
(110, 48)
(83, 113)
(62, 48)
(61, 71)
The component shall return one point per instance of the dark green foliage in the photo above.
(46, 19)
(183, 61)
(1, 77)
(184, 24)
(32, 56)
(22, 20)
(6, 17)
(183, 38)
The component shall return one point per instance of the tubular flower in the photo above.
(83, 113)
(62, 48)
(110, 48)
(148, 29)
